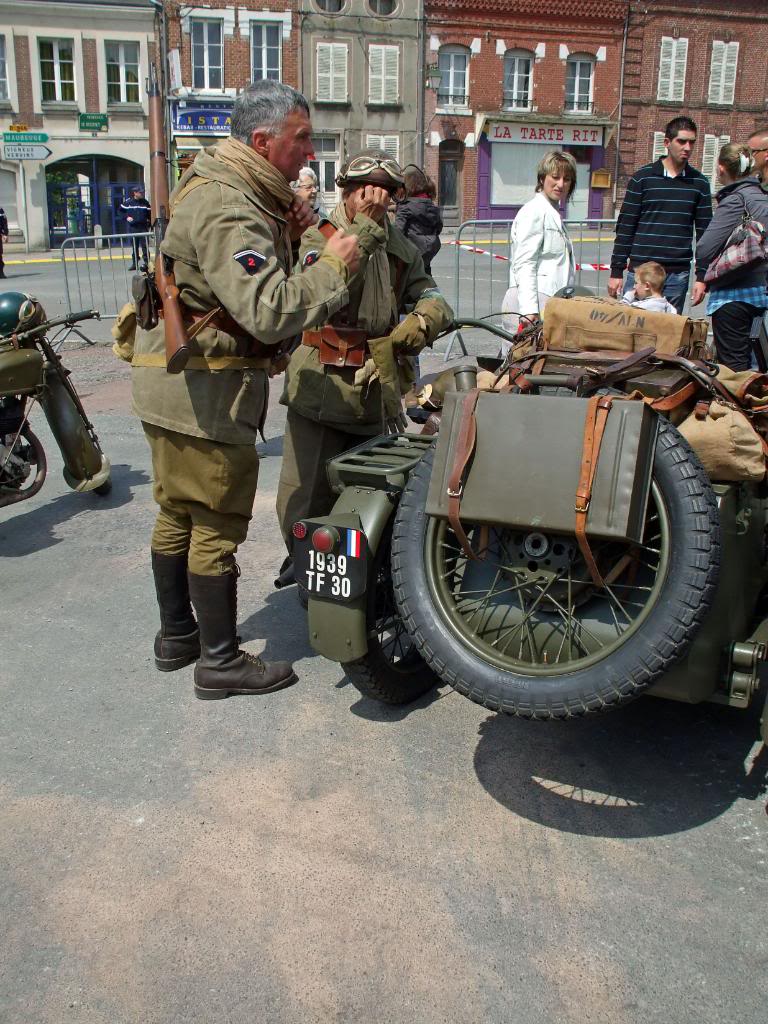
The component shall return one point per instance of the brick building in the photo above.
(515, 83)
(214, 49)
(695, 57)
(73, 72)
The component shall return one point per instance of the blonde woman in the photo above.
(542, 255)
(734, 302)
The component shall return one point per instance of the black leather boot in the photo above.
(178, 642)
(224, 669)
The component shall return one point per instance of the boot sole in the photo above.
(174, 664)
(208, 693)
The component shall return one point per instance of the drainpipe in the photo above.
(420, 86)
(621, 108)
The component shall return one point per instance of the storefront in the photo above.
(509, 151)
(196, 124)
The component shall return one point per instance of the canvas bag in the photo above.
(726, 443)
(588, 324)
(746, 249)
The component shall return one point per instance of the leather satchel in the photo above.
(339, 346)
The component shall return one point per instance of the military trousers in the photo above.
(303, 490)
(205, 490)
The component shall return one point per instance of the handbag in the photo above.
(746, 248)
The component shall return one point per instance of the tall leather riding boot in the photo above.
(224, 669)
(178, 642)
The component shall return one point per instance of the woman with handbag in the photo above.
(737, 259)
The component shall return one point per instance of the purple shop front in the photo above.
(508, 153)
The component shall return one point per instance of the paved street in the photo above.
(312, 856)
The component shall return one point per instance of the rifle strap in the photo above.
(465, 447)
(598, 409)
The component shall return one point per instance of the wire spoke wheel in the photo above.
(23, 468)
(522, 628)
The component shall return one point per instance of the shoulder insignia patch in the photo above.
(311, 258)
(250, 260)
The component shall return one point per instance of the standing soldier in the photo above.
(230, 238)
(137, 213)
(343, 382)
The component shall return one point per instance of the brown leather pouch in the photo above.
(338, 346)
(145, 299)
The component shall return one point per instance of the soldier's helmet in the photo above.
(371, 167)
(19, 312)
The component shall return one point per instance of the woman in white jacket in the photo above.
(542, 255)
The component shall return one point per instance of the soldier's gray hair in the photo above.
(266, 105)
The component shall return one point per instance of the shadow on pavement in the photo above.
(271, 448)
(653, 768)
(24, 532)
(283, 622)
(376, 711)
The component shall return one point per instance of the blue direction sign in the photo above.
(25, 138)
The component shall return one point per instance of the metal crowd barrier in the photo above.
(96, 274)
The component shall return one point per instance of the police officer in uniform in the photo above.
(234, 220)
(336, 398)
(137, 213)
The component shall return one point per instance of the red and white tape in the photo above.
(486, 252)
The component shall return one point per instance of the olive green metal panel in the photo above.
(338, 630)
(742, 576)
(82, 459)
(527, 461)
(20, 370)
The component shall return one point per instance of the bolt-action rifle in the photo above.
(159, 297)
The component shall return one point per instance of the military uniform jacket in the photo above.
(327, 394)
(229, 249)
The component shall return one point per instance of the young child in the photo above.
(649, 281)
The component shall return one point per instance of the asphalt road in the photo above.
(313, 856)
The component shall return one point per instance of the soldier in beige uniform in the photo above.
(343, 382)
(234, 218)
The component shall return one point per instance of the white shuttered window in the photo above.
(389, 143)
(722, 72)
(712, 146)
(383, 74)
(659, 149)
(672, 66)
(331, 72)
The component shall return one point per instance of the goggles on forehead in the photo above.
(362, 166)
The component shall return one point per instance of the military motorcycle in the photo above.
(536, 577)
(32, 371)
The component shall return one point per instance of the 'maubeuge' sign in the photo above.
(560, 134)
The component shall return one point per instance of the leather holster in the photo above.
(338, 346)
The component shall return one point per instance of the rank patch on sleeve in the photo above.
(250, 260)
(311, 258)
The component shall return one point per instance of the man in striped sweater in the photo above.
(665, 203)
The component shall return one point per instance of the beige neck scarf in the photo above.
(265, 180)
(377, 310)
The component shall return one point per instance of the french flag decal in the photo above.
(353, 543)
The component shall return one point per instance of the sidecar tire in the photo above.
(459, 645)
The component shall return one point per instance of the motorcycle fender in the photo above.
(336, 630)
(82, 456)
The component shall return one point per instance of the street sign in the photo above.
(25, 138)
(19, 126)
(94, 123)
(25, 152)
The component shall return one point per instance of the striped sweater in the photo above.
(658, 217)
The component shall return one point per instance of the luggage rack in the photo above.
(386, 460)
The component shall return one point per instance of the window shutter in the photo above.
(375, 74)
(680, 64)
(390, 144)
(716, 72)
(659, 149)
(391, 74)
(339, 72)
(323, 91)
(729, 72)
(709, 158)
(665, 68)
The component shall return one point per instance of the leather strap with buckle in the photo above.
(466, 440)
(598, 409)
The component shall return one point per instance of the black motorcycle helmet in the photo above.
(19, 312)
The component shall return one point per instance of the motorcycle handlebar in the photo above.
(62, 321)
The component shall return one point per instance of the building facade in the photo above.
(361, 70)
(516, 82)
(74, 72)
(694, 57)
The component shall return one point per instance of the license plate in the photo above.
(340, 575)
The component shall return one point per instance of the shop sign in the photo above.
(555, 134)
(94, 122)
(202, 120)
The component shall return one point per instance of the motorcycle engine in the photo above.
(11, 415)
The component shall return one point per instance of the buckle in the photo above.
(582, 508)
(455, 494)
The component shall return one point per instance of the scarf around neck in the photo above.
(377, 309)
(265, 180)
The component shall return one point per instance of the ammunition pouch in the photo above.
(146, 300)
(338, 346)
